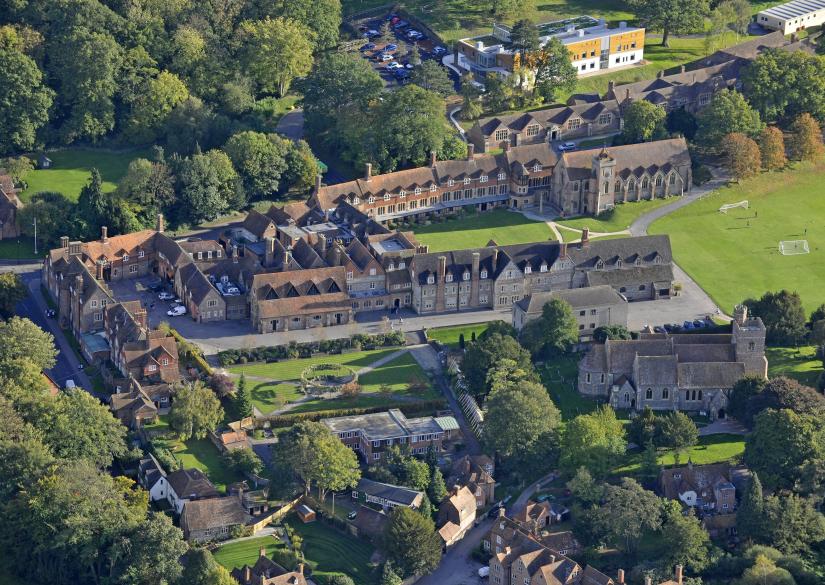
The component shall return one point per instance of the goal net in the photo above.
(725, 207)
(793, 247)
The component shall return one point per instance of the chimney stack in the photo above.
(476, 262)
(495, 259)
(627, 94)
(99, 270)
(300, 568)
(442, 268)
(620, 577)
(648, 580)
(679, 574)
(247, 574)
(262, 551)
(288, 257)
(269, 250)
(682, 68)
(140, 318)
(506, 145)
(740, 314)
(660, 74)
(104, 234)
(562, 249)
(501, 512)
(317, 182)
(368, 171)
(64, 241)
(337, 248)
(585, 236)
(234, 253)
(471, 149)
(322, 242)
(611, 85)
(432, 159)
(160, 226)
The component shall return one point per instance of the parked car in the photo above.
(414, 34)
(565, 146)
(688, 325)
(484, 572)
(368, 47)
(166, 296)
(399, 24)
(372, 33)
(50, 312)
(409, 65)
(439, 50)
(385, 57)
(176, 311)
(658, 329)
(545, 498)
(69, 384)
(394, 65)
(391, 47)
(699, 324)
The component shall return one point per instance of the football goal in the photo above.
(793, 247)
(726, 206)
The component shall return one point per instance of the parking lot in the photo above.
(393, 58)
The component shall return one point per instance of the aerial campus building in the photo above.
(592, 44)
(793, 16)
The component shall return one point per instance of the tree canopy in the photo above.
(554, 332)
(593, 441)
(411, 542)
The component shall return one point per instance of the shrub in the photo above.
(294, 350)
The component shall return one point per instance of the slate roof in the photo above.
(212, 513)
(634, 159)
(587, 109)
(191, 483)
(393, 493)
(592, 296)
(634, 275)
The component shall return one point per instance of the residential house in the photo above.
(456, 515)
(475, 472)
(593, 307)
(188, 485)
(372, 434)
(676, 372)
(386, 495)
(705, 488)
(133, 408)
(152, 478)
(536, 516)
(265, 571)
(212, 519)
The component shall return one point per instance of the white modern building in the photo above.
(793, 16)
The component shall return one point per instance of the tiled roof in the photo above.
(212, 513)
(577, 297)
(191, 483)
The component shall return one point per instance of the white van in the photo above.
(69, 384)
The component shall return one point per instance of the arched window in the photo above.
(687, 394)
(649, 393)
(672, 178)
(665, 393)
(659, 180)
(618, 185)
(700, 395)
(645, 183)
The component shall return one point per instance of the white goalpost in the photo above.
(727, 206)
(794, 247)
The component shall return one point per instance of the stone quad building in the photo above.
(684, 371)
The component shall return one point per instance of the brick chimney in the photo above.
(247, 574)
(471, 149)
(269, 250)
(442, 268)
(300, 568)
(234, 253)
(262, 551)
(611, 85)
(104, 234)
(74, 248)
(682, 68)
(620, 577)
(99, 270)
(648, 580)
(476, 262)
(433, 158)
(660, 74)
(317, 182)
(585, 237)
(563, 250)
(141, 318)
(495, 258)
(679, 574)
(368, 172)
(160, 224)
(64, 241)
(501, 512)
(322, 243)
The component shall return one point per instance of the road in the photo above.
(33, 307)
(457, 566)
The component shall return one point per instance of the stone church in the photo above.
(687, 371)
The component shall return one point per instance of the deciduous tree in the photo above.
(553, 333)
(593, 441)
(323, 15)
(276, 51)
(727, 112)
(671, 16)
(806, 138)
(486, 354)
(260, 160)
(628, 511)
(643, 122)
(743, 156)
(24, 100)
(157, 98)
(433, 77)
(154, 552)
(772, 147)
(605, 332)
(784, 97)
(22, 339)
(411, 542)
(244, 461)
(12, 291)
(684, 540)
(195, 411)
(555, 73)
(783, 315)
(740, 395)
(678, 432)
(208, 187)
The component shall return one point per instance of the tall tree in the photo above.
(524, 37)
(678, 432)
(433, 77)
(784, 97)
(12, 291)
(783, 315)
(437, 490)
(22, 339)
(684, 540)
(593, 441)
(765, 572)
(727, 112)
(553, 333)
(649, 466)
(643, 427)
(671, 16)
(92, 205)
(750, 516)
(486, 354)
(156, 546)
(555, 73)
(157, 98)
(276, 51)
(411, 542)
(628, 511)
(389, 576)
(806, 138)
(517, 416)
(781, 392)
(772, 147)
(24, 100)
(743, 156)
(195, 411)
(260, 160)
(740, 395)
(643, 122)
(325, 16)
(150, 186)
(244, 461)
(794, 525)
(208, 187)
(242, 401)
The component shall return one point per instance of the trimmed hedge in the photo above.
(409, 409)
(273, 353)
(195, 356)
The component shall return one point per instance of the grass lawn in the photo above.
(800, 364)
(560, 377)
(397, 374)
(245, 552)
(72, 167)
(505, 227)
(330, 551)
(11, 250)
(202, 454)
(711, 449)
(735, 256)
(615, 220)
(449, 335)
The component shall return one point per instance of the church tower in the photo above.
(604, 167)
(749, 342)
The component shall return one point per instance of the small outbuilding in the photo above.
(305, 513)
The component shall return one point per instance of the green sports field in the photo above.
(736, 255)
(505, 227)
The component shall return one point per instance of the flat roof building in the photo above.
(793, 16)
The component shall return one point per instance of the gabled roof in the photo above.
(392, 493)
(257, 223)
(191, 483)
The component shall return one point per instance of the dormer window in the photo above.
(432, 188)
(532, 130)
(449, 278)
(356, 201)
(501, 176)
(402, 265)
(543, 267)
(483, 274)
(126, 257)
(371, 200)
(141, 253)
(638, 262)
(391, 266)
(450, 183)
(483, 178)
(467, 181)
(536, 167)
(386, 196)
(599, 265)
(418, 190)
(402, 194)
(431, 279)
(466, 276)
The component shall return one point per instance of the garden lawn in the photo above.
(267, 396)
(11, 250)
(330, 551)
(735, 256)
(560, 377)
(615, 220)
(449, 335)
(237, 554)
(291, 369)
(711, 449)
(801, 364)
(505, 227)
(71, 169)
(202, 454)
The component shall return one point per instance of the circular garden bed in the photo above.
(323, 378)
